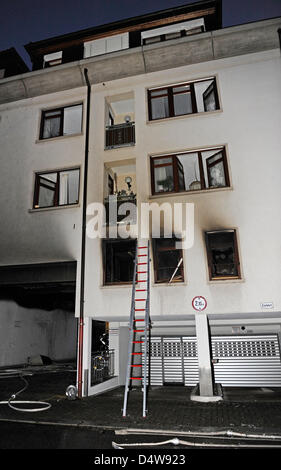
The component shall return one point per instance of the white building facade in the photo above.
(192, 118)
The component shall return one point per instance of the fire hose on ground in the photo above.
(11, 402)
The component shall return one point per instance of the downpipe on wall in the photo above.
(83, 243)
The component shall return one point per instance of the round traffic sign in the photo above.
(199, 303)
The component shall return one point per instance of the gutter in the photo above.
(83, 243)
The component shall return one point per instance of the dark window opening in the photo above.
(60, 188)
(222, 253)
(183, 99)
(168, 261)
(191, 171)
(110, 183)
(173, 35)
(118, 261)
(52, 63)
(61, 121)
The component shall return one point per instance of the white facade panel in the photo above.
(106, 45)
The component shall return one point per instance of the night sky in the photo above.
(24, 21)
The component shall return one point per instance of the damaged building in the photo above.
(167, 107)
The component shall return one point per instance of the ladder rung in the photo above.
(135, 378)
(139, 300)
(136, 365)
(141, 290)
(138, 331)
(142, 247)
(138, 342)
(140, 256)
(141, 272)
(141, 263)
(136, 354)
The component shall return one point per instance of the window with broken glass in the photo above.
(222, 254)
(190, 171)
(182, 99)
(168, 261)
(61, 121)
(118, 261)
(59, 188)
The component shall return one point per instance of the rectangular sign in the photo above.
(267, 305)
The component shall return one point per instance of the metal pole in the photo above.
(83, 244)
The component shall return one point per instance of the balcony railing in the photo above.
(102, 366)
(120, 135)
(120, 198)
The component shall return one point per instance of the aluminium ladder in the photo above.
(139, 323)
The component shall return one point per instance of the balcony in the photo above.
(116, 201)
(102, 366)
(120, 135)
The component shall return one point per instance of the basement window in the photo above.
(61, 121)
(183, 99)
(118, 261)
(58, 188)
(190, 171)
(168, 261)
(222, 254)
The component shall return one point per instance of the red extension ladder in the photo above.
(139, 324)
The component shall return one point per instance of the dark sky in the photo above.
(23, 21)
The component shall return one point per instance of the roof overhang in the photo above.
(229, 42)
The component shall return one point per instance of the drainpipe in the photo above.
(83, 244)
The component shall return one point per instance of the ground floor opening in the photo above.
(38, 325)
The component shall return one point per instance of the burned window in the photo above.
(182, 99)
(190, 171)
(58, 188)
(168, 261)
(61, 121)
(222, 253)
(118, 261)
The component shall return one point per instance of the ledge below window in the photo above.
(43, 209)
(226, 281)
(183, 116)
(186, 193)
(59, 137)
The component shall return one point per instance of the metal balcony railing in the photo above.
(120, 198)
(120, 135)
(102, 366)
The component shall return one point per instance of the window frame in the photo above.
(174, 165)
(104, 244)
(170, 94)
(165, 249)
(236, 256)
(61, 115)
(207, 92)
(37, 186)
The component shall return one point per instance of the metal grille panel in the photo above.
(243, 361)
(247, 361)
(173, 360)
(191, 373)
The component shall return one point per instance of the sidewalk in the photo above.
(169, 408)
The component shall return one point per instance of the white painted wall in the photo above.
(41, 235)
(28, 332)
(249, 126)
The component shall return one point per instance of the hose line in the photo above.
(11, 402)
